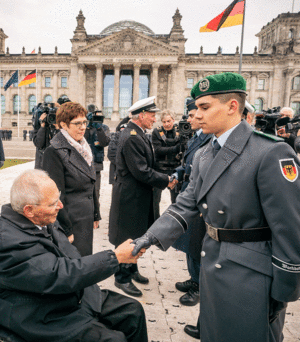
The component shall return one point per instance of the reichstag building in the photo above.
(127, 61)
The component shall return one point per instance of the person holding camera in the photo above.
(98, 136)
(69, 162)
(289, 138)
(167, 147)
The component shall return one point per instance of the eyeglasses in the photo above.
(51, 205)
(80, 123)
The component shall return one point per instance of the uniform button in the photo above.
(218, 266)
(204, 205)
(203, 254)
(221, 212)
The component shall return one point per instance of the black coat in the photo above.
(47, 291)
(131, 211)
(76, 181)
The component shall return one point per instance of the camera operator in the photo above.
(166, 143)
(44, 124)
(288, 137)
(97, 136)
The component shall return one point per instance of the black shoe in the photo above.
(185, 285)
(129, 288)
(139, 278)
(191, 298)
(192, 331)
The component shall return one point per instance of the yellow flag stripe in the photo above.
(233, 21)
(32, 80)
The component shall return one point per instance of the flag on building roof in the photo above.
(30, 78)
(232, 16)
(14, 79)
(33, 51)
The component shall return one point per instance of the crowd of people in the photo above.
(240, 236)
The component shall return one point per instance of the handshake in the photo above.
(129, 251)
(172, 182)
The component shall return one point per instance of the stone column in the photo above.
(270, 92)
(253, 87)
(115, 115)
(81, 84)
(55, 85)
(99, 85)
(173, 93)
(136, 82)
(154, 79)
(288, 87)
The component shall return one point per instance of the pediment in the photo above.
(127, 42)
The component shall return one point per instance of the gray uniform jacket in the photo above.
(244, 186)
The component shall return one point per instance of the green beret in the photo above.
(227, 82)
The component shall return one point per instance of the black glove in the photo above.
(275, 308)
(144, 241)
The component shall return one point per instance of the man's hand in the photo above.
(172, 183)
(96, 224)
(281, 133)
(124, 253)
(143, 242)
(275, 309)
(71, 238)
(42, 117)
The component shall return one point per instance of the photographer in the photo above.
(97, 136)
(166, 143)
(287, 112)
(44, 124)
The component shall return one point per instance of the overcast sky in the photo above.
(34, 23)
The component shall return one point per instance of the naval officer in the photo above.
(246, 186)
(131, 212)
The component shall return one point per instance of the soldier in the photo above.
(250, 254)
(131, 212)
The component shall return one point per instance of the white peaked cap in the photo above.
(145, 105)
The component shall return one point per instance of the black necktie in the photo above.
(216, 147)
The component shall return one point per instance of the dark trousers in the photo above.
(156, 200)
(124, 275)
(193, 268)
(122, 319)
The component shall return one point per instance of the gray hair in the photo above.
(289, 109)
(165, 113)
(135, 116)
(27, 189)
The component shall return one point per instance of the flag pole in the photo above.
(36, 83)
(18, 109)
(1, 100)
(242, 40)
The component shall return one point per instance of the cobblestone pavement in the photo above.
(166, 317)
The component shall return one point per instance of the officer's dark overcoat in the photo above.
(131, 211)
(247, 185)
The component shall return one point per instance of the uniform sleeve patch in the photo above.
(178, 218)
(289, 169)
(285, 266)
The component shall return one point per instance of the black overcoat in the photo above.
(131, 211)
(76, 181)
(47, 291)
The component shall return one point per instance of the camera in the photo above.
(50, 110)
(184, 127)
(266, 121)
(93, 116)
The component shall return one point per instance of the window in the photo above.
(296, 83)
(48, 98)
(190, 83)
(47, 82)
(185, 107)
(31, 103)
(17, 104)
(1, 82)
(261, 84)
(64, 82)
(32, 85)
(296, 107)
(258, 104)
(144, 84)
(291, 33)
(14, 124)
(2, 104)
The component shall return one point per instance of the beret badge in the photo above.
(204, 85)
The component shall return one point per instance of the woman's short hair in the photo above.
(165, 113)
(69, 111)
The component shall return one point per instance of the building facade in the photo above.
(127, 61)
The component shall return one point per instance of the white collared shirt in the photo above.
(223, 138)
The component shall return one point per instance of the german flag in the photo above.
(30, 78)
(232, 16)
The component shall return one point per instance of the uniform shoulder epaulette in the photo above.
(133, 132)
(269, 136)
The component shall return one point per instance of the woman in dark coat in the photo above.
(69, 162)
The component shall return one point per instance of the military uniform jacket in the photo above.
(131, 212)
(245, 186)
(47, 290)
